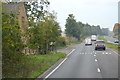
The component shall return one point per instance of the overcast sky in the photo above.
(94, 12)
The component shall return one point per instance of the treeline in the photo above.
(79, 29)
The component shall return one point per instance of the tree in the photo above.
(12, 44)
(36, 9)
(43, 33)
(72, 28)
(79, 29)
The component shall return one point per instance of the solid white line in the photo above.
(115, 52)
(59, 65)
(98, 69)
(71, 52)
(56, 68)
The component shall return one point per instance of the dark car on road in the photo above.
(116, 41)
(100, 44)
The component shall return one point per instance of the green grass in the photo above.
(31, 66)
(115, 37)
(102, 38)
(109, 45)
(113, 46)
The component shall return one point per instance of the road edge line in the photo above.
(114, 52)
(56, 68)
(59, 64)
(71, 52)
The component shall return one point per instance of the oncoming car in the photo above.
(100, 44)
(88, 41)
(116, 41)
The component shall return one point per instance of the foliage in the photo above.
(43, 27)
(102, 38)
(31, 66)
(79, 29)
(42, 33)
(12, 44)
(36, 9)
(72, 27)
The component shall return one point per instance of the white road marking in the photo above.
(59, 64)
(96, 60)
(106, 53)
(98, 69)
(94, 55)
(103, 52)
(115, 52)
(109, 53)
(56, 68)
(71, 52)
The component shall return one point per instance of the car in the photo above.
(88, 41)
(116, 41)
(100, 44)
(93, 38)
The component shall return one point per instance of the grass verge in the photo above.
(31, 66)
(102, 38)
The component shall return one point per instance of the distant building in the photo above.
(116, 29)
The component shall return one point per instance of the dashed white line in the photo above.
(96, 60)
(59, 65)
(98, 69)
(106, 53)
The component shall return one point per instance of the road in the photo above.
(110, 39)
(85, 62)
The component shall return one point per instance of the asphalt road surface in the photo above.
(110, 39)
(84, 62)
